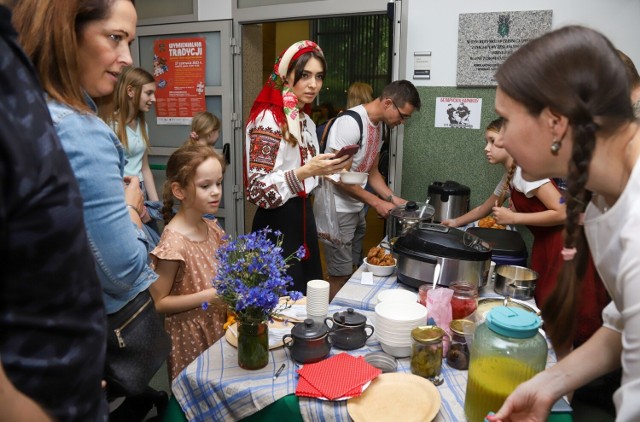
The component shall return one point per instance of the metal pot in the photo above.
(433, 252)
(348, 329)
(450, 199)
(308, 342)
(515, 281)
(404, 217)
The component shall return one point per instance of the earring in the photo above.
(555, 146)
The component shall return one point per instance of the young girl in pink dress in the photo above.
(185, 257)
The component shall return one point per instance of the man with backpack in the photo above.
(394, 106)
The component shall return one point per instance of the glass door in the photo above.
(219, 101)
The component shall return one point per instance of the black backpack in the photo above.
(323, 130)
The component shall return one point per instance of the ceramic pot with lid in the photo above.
(436, 253)
(404, 217)
(308, 342)
(348, 329)
(450, 199)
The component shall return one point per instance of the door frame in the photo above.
(310, 10)
(224, 91)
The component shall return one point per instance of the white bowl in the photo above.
(381, 270)
(398, 295)
(396, 351)
(401, 312)
(353, 178)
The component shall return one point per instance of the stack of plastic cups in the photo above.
(317, 300)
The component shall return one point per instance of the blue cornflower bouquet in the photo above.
(252, 276)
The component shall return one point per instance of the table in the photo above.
(213, 387)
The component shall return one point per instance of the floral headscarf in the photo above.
(278, 97)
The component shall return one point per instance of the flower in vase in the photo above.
(252, 276)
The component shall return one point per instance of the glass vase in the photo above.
(253, 345)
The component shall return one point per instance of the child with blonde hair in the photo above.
(205, 129)
(185, 256)
(133, 97)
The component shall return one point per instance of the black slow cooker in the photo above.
(445, 253)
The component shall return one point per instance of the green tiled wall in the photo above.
(439, 154)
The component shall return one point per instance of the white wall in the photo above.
(433, 26)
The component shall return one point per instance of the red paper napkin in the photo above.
(339, 376)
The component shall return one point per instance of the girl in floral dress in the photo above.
(185, 257)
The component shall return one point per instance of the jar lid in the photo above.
(513, 322)
(427, 334)
(461, 326)
(349, 317)
(309, 330)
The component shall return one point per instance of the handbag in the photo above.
(137, 345)
(324, 210)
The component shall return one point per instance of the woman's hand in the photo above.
(321, 165)
(133, 194)
(529, 402)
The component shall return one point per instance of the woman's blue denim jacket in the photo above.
(119, 247)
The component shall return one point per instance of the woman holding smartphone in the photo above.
(281, 156)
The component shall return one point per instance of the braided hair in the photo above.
(564, 71)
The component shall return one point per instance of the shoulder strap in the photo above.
(327, 127)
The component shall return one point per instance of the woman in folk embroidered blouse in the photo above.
(281, 156)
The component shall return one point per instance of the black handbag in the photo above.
(137, 345)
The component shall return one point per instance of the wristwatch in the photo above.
(389, 198)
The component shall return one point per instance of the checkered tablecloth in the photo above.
(214, 387)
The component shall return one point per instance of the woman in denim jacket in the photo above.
(78, 58)
(93, 59)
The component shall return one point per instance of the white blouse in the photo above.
(614, 240)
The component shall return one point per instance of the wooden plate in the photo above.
(396, 397)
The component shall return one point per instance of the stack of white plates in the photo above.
(394, 322)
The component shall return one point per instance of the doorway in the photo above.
(341, 38)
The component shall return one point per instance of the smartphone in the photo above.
(349, 150)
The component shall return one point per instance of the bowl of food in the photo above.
(384, 269)
(353, 178)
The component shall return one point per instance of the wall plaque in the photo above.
(485, 40)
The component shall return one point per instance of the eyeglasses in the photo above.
(401, 114)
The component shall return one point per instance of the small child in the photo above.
(185, 257)
(534, 204)
(537, 205)
(205, 129)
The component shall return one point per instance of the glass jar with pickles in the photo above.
(507, 350)
(426, 351)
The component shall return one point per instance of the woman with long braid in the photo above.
(561, 121)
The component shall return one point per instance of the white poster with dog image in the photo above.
(463, 113)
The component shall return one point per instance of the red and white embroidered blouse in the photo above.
(270, 161)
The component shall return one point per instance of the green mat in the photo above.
(287, 408)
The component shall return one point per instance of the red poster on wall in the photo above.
(179, 69)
